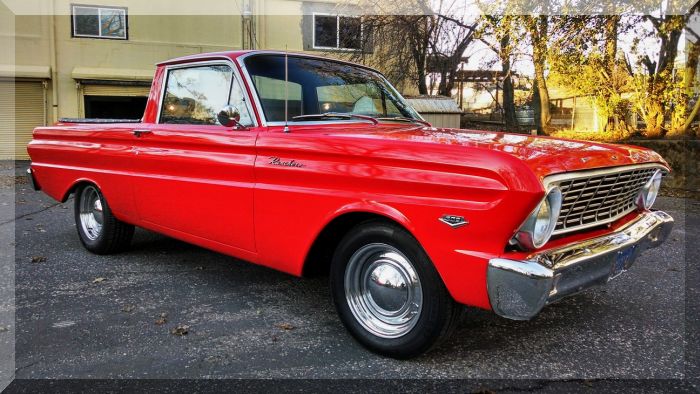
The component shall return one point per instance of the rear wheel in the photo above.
(387, 292)
(99, 231)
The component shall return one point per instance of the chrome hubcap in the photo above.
(383, 290)
(91, 215)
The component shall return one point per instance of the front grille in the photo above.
(600, 198)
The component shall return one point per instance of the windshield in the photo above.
(317, 86)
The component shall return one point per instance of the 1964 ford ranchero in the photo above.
(305, 164)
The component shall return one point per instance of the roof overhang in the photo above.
(17, 71)
(112, 74)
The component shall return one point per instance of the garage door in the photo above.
(19, 117)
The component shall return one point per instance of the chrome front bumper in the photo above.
(519, 289)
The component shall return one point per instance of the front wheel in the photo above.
(387, 292)
(100, 232)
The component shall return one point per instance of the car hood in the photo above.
(545, 155)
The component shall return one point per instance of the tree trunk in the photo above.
(655, 104)
(691, 118)
(681, 120)
(653, 116)
(611, 29)
(509, 117)
(422, 83)
(538, 33)
(543, 94)
(419, 52)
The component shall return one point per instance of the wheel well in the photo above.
(73, 188)
(318, 259)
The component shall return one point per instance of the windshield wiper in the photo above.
(336, 115)
(405, 119)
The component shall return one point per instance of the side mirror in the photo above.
(229, 116)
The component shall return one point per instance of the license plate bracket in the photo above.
(623, 260)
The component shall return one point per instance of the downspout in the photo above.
(54, 72)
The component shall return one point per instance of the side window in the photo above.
(238, 100)
(194, 95)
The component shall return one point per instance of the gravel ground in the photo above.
(79, 315)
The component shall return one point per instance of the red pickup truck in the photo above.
(306, 165)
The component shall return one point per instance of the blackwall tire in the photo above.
(388, 293)
(99, 231)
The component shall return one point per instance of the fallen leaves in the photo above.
(180, 330)
(286, 326)
(162, 319)
(38, 259)
(128, 308)
(99, 280)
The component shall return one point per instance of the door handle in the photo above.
(139, 133)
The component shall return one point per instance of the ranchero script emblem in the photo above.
(453, 221)
(276, 161)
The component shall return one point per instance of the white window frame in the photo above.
(337, 46)
(99, 9)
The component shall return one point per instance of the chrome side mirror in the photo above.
(229, 116)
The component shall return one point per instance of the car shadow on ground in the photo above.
(478, 329)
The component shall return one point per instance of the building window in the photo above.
(99, 22)
(337, 32)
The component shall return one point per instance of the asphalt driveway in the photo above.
(79, 315)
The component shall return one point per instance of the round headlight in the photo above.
(539, 226)
(648, 194)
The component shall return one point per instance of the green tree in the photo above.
(587, 62)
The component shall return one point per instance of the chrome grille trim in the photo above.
(593, 198)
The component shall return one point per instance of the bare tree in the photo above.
(450, 40)
(408, 47)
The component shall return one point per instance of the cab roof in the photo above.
(233, 55)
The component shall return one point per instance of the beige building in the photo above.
(96, 58)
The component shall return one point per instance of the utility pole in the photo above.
(247, 26)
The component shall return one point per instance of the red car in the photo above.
(306, 164)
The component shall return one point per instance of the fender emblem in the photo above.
(453, 221)
(276, 161)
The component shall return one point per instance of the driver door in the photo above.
(195, 176)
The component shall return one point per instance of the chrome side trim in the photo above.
(519, 289)
(317, 122)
